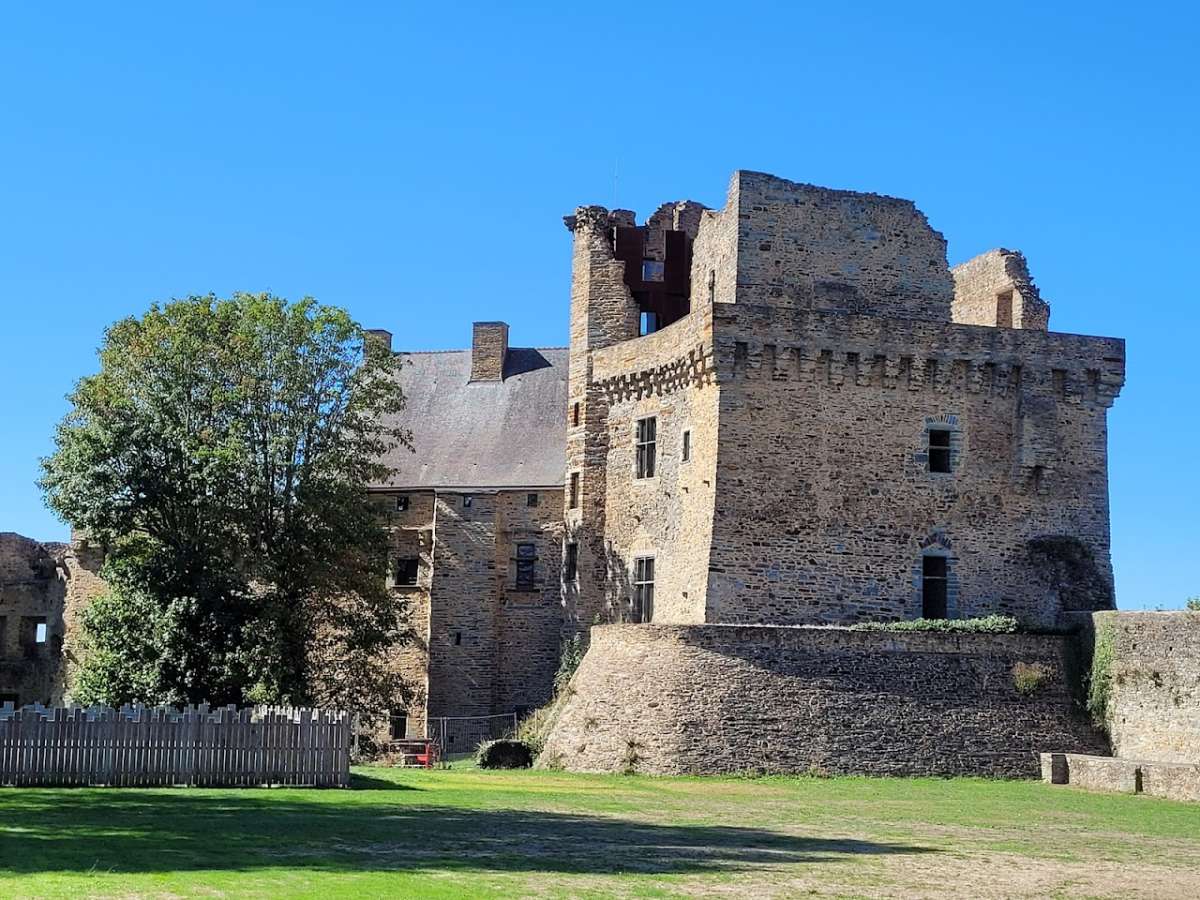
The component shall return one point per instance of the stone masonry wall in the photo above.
(807, 247)
(824, 504)
(1154, 687)
(716, 699)
(995, 288)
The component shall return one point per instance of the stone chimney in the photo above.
(379, 336)
(489, 346)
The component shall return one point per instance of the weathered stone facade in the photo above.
(824, 350)
(671, 699)
(42, 589)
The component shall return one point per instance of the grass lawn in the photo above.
(464, 832)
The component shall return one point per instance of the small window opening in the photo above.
(526, 567)
(399, 724)
(646, 446)
(686, 454)
(1004, 309)
(457, 638)
(933, 587)
(402, 503)
(531, 499)
(712, 285)
(571, 562)
(643, 589)
(406, 571)
(939, 450)
(468, 501)
(575, 414)
(652, 270)
(14, 699)
(649, 323)
(573, 493)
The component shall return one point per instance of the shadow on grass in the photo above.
(342, 831)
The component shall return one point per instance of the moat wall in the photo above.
(712, 699)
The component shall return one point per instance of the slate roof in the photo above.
(484, 434)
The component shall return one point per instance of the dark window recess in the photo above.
(3, 634)
(34, 634)
(526, 567)
(933, 587)
(573, 496)
(571, 562)
(575, 414)
(939, 450)
(14, 699)
(652, 270)
(1004, 309)
(402, 503)
(647, 430)
(399, 723)
(712, 285)
(643, 589)
(686, 454)
(531, 499)
(406, 571)
(648, 324)
(468, 501)
(457, 638)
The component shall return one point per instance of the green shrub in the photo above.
(504, 754)
(983, 625)
(1193, 604)
(1100, 679)
(1028, 678)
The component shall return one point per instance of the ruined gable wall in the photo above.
(31, 587)
(824, 503)
(806, 247)
(979, 282)
(667, 375)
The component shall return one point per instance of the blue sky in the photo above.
(413, 164)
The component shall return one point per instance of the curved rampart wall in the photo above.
(710, 699)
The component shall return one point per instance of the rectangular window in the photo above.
(686, 453)
(649, 323)
(468, 500)
(34, 634)
(526, 567)
(571, 562)
(575, 414)
(939, 450)
(14, 699)
(646, 446)
(406, 571)
(573, 495)
(652, 270)
(933, 587)
(399, 723)
(643, 589)
(531, 499)
(402, 503)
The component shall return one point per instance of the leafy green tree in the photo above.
(222, 453)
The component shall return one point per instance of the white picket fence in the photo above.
(137, 746)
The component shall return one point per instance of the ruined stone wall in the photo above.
(824, 505)
(48, 583)
(667, 375)
(717, 699)
(1153, 671)
(995, 288)
(807, 247)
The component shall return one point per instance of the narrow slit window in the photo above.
(468, 501)
(402, 503)
(939, 450)
(575, 414)
(1004, 309)
(531, 499)
(933, 587)
(573, 493)
(643, 589)
(649, 323)
(571, 562)
(686, 452)
(526, 561)
(647, 446)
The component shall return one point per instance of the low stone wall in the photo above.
(1170, 781)
(725, 698)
